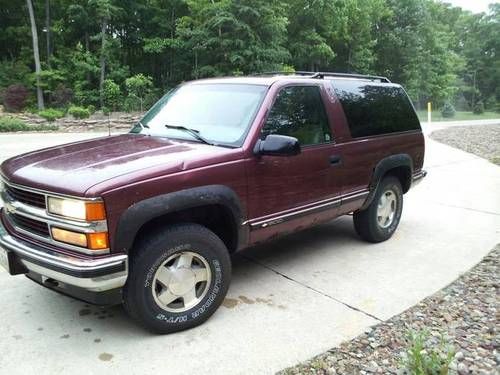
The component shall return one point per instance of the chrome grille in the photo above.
(24, 196)
(30, 225)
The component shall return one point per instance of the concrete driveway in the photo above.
(289, 299)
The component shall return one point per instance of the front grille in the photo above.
(25, 196)
(30, 225)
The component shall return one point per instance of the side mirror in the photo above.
(278, 145)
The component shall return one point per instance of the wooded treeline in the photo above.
(125, 53)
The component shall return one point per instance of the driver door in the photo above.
(287, 193)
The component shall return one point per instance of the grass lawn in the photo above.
(459, 116)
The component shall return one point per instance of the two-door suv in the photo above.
(150, 218)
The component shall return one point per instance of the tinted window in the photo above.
(298, 112)
(373, 108)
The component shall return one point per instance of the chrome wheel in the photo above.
(386, 208)
(181, 282)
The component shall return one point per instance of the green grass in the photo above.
(12, 124)
(459, 116)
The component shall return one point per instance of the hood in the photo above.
(74, 168)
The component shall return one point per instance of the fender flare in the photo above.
(382, 167)
(142, 212)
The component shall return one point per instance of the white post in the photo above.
(429, 111)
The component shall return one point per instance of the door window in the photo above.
(299, 112)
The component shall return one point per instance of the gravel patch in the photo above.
(480, 140)
(464, 315)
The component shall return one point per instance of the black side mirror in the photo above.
(278, 145)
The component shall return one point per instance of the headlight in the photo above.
(72, 208)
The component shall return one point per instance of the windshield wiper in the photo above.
(195, 133)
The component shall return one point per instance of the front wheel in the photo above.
(178, 277)
(379, 220)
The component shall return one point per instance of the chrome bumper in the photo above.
(95, 275)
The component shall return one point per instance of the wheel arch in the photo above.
(399, 166)
(216, 207)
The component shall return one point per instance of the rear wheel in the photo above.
(178, 277)
(379, 220)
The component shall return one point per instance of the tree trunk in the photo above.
(47, 27)
(103, 61)
(36, 55)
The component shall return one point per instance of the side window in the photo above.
(375, 108)
(299, 112)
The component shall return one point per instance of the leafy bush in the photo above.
(78, 112)
(448, 110)
(478, 108)
(15, 98)
(12, 124)
(51, 114)
(91, 108)
(423, 359)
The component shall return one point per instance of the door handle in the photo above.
(335, 160)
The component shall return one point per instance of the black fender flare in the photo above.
(382, 167)
(142, 212)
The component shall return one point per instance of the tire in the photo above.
(160, 270)
(369, 223)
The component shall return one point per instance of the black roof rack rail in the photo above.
(328, 74)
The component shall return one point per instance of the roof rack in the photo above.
(321, 75)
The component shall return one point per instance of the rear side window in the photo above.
(299, 112)
(375, 108)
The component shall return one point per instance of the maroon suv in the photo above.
(150, 218)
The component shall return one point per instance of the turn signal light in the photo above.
(92, 241)
(97, 241)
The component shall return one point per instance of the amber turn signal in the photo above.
(97, 241)
(95, 211)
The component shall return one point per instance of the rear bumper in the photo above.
(94, 275)
(418, 177)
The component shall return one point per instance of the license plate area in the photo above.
(4, 259)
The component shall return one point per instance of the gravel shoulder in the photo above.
(464, 314)
(482, 140)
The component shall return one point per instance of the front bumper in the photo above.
(62, 272)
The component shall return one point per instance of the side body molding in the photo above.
(140, 213)
(382, 167)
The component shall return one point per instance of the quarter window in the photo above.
(299, 112)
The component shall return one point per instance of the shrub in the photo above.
(478, 108)
(12, 124)
(91, 109)
(448, 110)
(15, 98)
(78, 112)
(51, 114)
(422, 358)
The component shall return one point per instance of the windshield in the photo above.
(219, 113)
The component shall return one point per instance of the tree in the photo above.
(139, 86)
(36, 55)
(110, 94)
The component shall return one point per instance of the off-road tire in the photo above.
(151, 252)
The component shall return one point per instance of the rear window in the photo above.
(375, 108)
